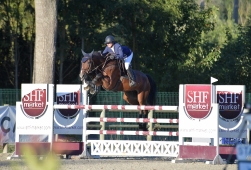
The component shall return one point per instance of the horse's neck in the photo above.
(98, 60)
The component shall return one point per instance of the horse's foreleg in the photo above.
(98, 76)
(88, 85)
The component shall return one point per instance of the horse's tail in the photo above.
(151, 100)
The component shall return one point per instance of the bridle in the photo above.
(91, 65)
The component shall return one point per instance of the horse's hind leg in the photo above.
(142, 99)
(142, 126)
(132, 98)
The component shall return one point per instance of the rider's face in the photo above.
(109, 45)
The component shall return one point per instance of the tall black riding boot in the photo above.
(131, 77)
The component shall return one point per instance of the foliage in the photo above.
(49, 162)
(175, 41)
(236, 60)
(16, 34)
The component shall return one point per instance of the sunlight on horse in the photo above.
(111, 75)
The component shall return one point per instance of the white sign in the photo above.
(34, 114)
(198, 117)
(231, 99)
(68, 121)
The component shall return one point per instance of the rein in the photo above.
(92, 63)
(103, 66)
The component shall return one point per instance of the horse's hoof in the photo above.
(145, 129)
(92, 91)
(85, 84)
(142, 127)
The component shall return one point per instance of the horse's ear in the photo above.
(91, 52)
(83, 53)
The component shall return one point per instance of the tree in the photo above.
(16, 34)
(45, 41)
(79, 23)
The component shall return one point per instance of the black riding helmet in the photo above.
(109, 39)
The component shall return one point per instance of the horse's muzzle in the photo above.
(89, 87)
(82, 76)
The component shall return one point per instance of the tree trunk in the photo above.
(62, 53)
(202, 4)
(45, 42)
(16, 64)
(236, 7)
(31, 49)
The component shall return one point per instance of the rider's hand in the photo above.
(112, 56)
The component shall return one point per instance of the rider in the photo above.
(118, 51)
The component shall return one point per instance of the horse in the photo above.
(110, 74)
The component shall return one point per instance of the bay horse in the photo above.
(109, 74)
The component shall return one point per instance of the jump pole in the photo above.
(118, 107)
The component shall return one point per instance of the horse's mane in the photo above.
(98, 54)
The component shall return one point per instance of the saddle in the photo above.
(121, 64)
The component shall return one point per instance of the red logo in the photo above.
(198, 101)
(69, 99)
(34, 103)
(230, 104)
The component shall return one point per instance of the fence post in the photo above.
(102, 115)
(150, 124)
(5, 148)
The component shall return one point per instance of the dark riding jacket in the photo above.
(120, 51)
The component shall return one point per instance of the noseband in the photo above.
(90, 64)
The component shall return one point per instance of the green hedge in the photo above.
(9, 96)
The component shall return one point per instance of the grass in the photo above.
(11, 148)
(32, 161)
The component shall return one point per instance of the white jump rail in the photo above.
(121, 132)
(119, 107)
(137, 120)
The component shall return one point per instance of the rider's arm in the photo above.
(118, 50)
(106, 50)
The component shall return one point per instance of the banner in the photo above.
(7, 124)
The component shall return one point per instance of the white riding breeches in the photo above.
(128, 61)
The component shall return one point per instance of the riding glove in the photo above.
(112, 56)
